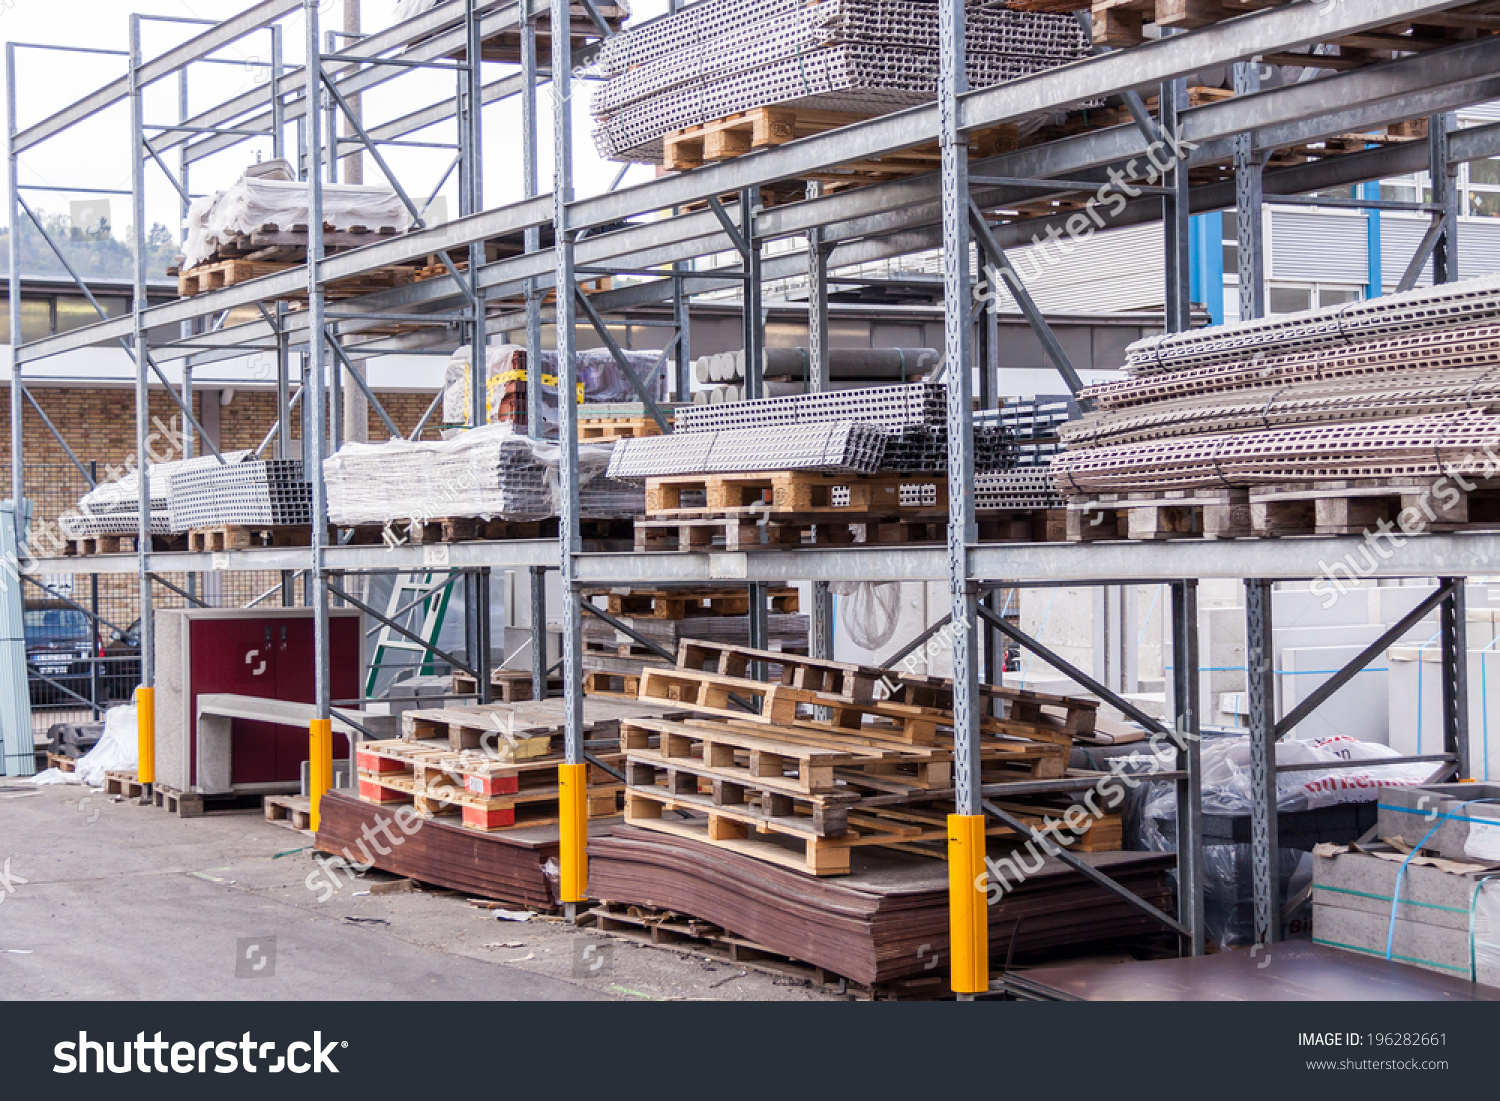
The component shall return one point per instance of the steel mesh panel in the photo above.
(908, 21)
(922, 403)
(840, 447)
(857, 78)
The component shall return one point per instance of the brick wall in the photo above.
(99, 425)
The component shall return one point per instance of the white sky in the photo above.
(96, 154)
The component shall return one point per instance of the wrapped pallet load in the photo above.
(600, 379)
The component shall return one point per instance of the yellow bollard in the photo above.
(319, 763)
(573, 806)
(145, 734)
(968, 920)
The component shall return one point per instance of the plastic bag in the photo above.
(599, 379)
(255, 201)
(870, 610)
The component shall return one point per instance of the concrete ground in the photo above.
(105, 899)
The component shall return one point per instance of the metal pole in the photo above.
(1190, 787)
(321, 744)
(1455, 652)
(530, 173)
(752, 316)
(539, 676)
(1260, 665)
(1249, 206)
(145, 696)
(1444, 174)
(354, 163)
(968, 920)
(1176, 219)
(17, 463)
(572, 776)
(823, 638)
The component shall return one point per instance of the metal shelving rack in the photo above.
(664, 224)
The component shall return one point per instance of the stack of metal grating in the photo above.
(491, 472)
(885, 429)
(248, 492)
(1401, 386)
(864, 57)
(113, 508)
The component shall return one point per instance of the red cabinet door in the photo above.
(271, 658)
(237, 656)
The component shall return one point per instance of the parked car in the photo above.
(61, 647)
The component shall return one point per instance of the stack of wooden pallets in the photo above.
(671, 617)
(785, 507)
(493, 767)
(797, 761)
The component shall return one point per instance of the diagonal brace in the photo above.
(1087, 870)
(1364, 657)
(1062, 665)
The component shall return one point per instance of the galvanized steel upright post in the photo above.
(1249, 204)
(966, 898)
(145, 695)
(471, 149)
(1260, 666)
(320, 735)
(572, 776)
(822, 629)
(17, 462)
(1189, 838)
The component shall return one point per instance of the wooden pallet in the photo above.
(61, 763)
(1038, 525)
(799, 494)
(625, 686)
(469, 528)
(536, 806)
(1354, 506)
(506, 685)
(609, 429)
(194, 804)
(292, 811)
(217, 274)
(83, 546)
(1178, 514)
(123, 784)
(475, 727)
(1119, 23)
(691, 603)
(1042, 753)
(765, 127)
(737, 534)
(233, 537)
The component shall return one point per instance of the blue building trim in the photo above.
(1374, 273)
(1206, 264)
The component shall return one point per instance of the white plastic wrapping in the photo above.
(491, 472)
(599, 374)
(869, 610)
(255, 202)
(116, 751)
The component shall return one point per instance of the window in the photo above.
(1284, 299)
(1479, 183)
(36, 319)
(74, 311)
(1230, 222)
(1332, 296)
